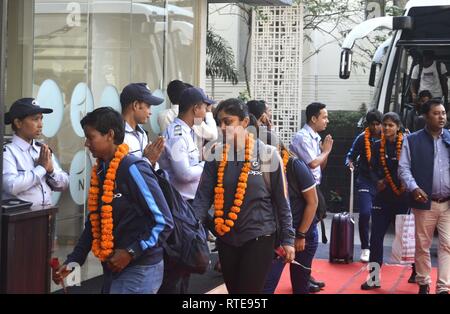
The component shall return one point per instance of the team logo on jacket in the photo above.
(255, 168)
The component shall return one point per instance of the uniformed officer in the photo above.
(181, 158)
(205, 131)
(136, 99)
(30, 172)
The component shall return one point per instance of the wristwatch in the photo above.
(131, 252)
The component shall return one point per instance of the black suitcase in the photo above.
(342, 234)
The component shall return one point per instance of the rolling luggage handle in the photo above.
(350, 208)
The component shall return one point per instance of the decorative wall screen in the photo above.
(277, 46)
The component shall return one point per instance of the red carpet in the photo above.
(347, 279)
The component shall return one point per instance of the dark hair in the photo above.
(104, 119)
(236, 107)
(373, 115)
(174, 90)
(425, 93)
(256, 108)
(426, 107)
(313, 110)
(394, 117)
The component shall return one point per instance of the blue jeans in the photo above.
(299, 275)
(138, 279)
(366, 195)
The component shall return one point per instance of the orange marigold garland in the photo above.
(387, 174)
(102, 224)
(285, 155)
(224, 225)
(367, 144)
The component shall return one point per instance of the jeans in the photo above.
(138, 279)
(366, 195)
(299, 275)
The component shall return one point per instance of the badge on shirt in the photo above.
(177, 131)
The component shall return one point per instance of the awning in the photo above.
(257, 2)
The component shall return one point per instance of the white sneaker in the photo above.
(365, 254)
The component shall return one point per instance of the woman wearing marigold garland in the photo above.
(128, 214)
(361, 153)
(391, 198)
(242, 187)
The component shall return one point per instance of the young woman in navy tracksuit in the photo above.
(303, 202)
(360, 155)
(391, 198)
(128, 214)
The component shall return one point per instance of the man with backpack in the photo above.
(430, 75)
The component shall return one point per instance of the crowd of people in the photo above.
(260, 199)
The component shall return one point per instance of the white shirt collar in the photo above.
(21, 143)
(311, 132)
(184, 125)
(129, 129)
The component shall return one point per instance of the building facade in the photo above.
(75, 56)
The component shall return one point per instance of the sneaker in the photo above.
(443, 292)
(365, 254)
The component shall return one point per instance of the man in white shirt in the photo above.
(181, 158)
(430, 75)
(307, 145)
(30, 172)
(205, 131)
(136, 100)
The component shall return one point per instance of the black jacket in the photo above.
(257, 216)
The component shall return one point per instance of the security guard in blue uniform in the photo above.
(136, 100)
(181, 160)
(30, 172)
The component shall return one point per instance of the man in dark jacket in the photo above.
(424, 168)
(141, 218)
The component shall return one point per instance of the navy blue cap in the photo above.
(194, 95)
(24, 107)
(139, 92)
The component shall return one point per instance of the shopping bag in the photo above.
(404, 245)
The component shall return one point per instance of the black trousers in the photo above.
(245, 268)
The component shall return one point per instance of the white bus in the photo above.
(425, 25)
